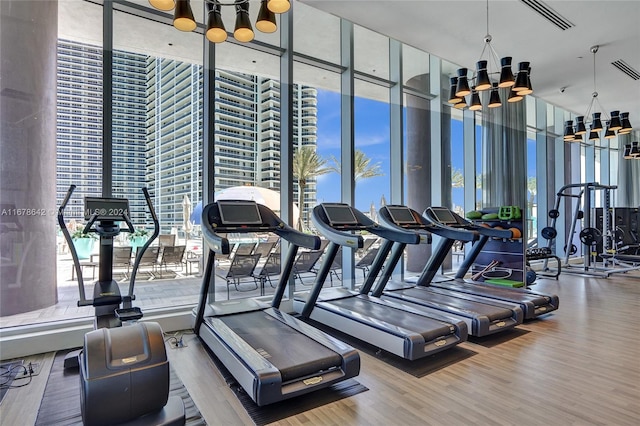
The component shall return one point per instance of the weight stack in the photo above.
(124, 373)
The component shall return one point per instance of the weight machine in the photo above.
(599, 244)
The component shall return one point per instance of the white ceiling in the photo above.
(454, 30)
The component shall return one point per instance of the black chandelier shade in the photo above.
(266, 22)
(216, 32)
(183, 18)
(506, 75)
(243, 30)
(453, 99)
(463, 83)
(482, 77)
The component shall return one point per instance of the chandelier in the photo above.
(617, 122)
(216, 33)
(491, 74)
(632, 151)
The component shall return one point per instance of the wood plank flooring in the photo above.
(579, 365)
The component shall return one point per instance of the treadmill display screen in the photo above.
(402, 215)
(339, 214)
(443, 215)
(106, 208)
(239, 213)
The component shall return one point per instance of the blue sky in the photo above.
(371, 119)
(372, 137)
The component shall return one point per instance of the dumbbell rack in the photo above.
(510, 252)
(544, 253)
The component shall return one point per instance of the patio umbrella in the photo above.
(265, 196)
(196, 214)
(260, 195)
(187, 225)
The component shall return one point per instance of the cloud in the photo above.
(373, 139)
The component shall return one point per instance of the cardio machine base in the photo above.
(124, 377)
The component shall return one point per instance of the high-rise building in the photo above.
(79, 127)
(157, 129)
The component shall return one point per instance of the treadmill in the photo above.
(405, 331)
(443, 222)
(271, 354)
(483, 316)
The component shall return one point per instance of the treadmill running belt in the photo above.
(429, 328)
(293, 353)
(447, 298)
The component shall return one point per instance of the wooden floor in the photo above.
(578, 366)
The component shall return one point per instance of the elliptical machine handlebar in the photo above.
(105, 231)
(140, 252)
(69, 240)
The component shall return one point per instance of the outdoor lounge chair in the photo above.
(264, 249)
(122, 258)
(305, 263)
(270, 269)
(242, 266)
(171, 256)
(150, 260)
(367, 260)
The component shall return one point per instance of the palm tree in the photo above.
(532, 187)
(307, 164)
(362, 167)
(457, 178)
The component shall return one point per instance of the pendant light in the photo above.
(490, 74)
(617, 124)
(215, 29)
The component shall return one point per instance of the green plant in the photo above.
(140, 232)
(77, 234)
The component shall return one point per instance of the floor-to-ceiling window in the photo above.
(156, 122)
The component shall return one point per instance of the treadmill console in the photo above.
(442, 215)
(340, 216)
(239, 213)
(402, 215)
(398, 216)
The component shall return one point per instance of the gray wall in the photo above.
(28, 36)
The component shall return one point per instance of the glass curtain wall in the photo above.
(156, 127)
(316, 69)
(156, 134)
(371, 120)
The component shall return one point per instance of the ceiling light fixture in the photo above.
(632, 151)
(491, 73)
(617, 122)
(216, 32)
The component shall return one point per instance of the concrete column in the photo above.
(628, 194)
(28, 40)
(418, 170)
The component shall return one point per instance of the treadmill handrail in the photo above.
(451, 232)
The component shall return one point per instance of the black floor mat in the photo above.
(289, 407)
(60, 404)
(8, 372)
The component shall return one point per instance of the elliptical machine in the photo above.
(124, 371)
